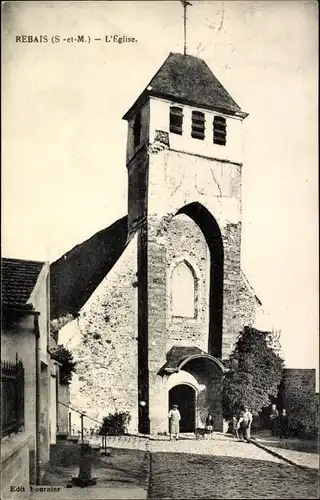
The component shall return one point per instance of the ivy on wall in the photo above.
(255, 373)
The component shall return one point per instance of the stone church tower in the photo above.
(160, 296)
(184, 161)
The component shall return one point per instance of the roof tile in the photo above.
(19, 278)
(188, 79)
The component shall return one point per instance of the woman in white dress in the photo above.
(174, 422)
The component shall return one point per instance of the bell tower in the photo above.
(184, 159)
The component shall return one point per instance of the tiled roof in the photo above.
(76, 275)
(188, 79)
(178, 353)
(19, 278)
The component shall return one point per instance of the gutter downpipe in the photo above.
(38, 368)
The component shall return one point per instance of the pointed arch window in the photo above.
(184, 291)
(176, 120)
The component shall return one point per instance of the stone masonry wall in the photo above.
(63, 411)
(185, 240)
(240, 303)
(103, 341)
(231, 235)
(177, 179)
(209, 399)
(247, 305)
(104, 338)
(15, 467)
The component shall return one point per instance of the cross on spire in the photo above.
(185, 4)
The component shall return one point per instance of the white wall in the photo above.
(19, 337)
(40, 300)
(159, 120)
(52, 406)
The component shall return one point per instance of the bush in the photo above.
(65, 358)
(115, 424)
(301, 417)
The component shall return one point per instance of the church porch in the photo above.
(192, 379)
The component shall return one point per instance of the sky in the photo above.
(63, 138)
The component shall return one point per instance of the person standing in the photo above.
(274, 416)
(174, 422)
(283, 421)
(244, 425)
(209, 423)
(235, 427)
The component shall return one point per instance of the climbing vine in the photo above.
(255, 373)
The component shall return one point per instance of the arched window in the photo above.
(183, 291)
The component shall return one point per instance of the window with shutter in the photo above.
(176, 120)
(219, 130)
(197, 125)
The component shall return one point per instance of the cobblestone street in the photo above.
(198, 469)
(223, 468)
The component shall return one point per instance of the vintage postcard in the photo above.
(159, 249)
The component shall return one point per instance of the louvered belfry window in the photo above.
(197, 125)
(219, 130)
(176, 120)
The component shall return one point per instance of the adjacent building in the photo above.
(29, 377)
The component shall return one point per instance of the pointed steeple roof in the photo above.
(189, 80)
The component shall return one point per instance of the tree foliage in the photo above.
(115, 424)
(302, 412)
(255, 373)
(65, 358)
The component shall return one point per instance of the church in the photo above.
(151, 306)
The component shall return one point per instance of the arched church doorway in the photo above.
(184, 396)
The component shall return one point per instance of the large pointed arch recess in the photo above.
(211, 231)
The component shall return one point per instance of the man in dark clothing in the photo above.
(274, 416)
(283, 421)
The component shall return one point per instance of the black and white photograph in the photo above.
(159, 266)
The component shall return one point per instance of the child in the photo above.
(235, 427)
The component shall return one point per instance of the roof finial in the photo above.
(185, 3)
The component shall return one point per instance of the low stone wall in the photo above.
(297, 395)
(15, 467)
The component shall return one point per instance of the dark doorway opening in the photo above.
(185, 397)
